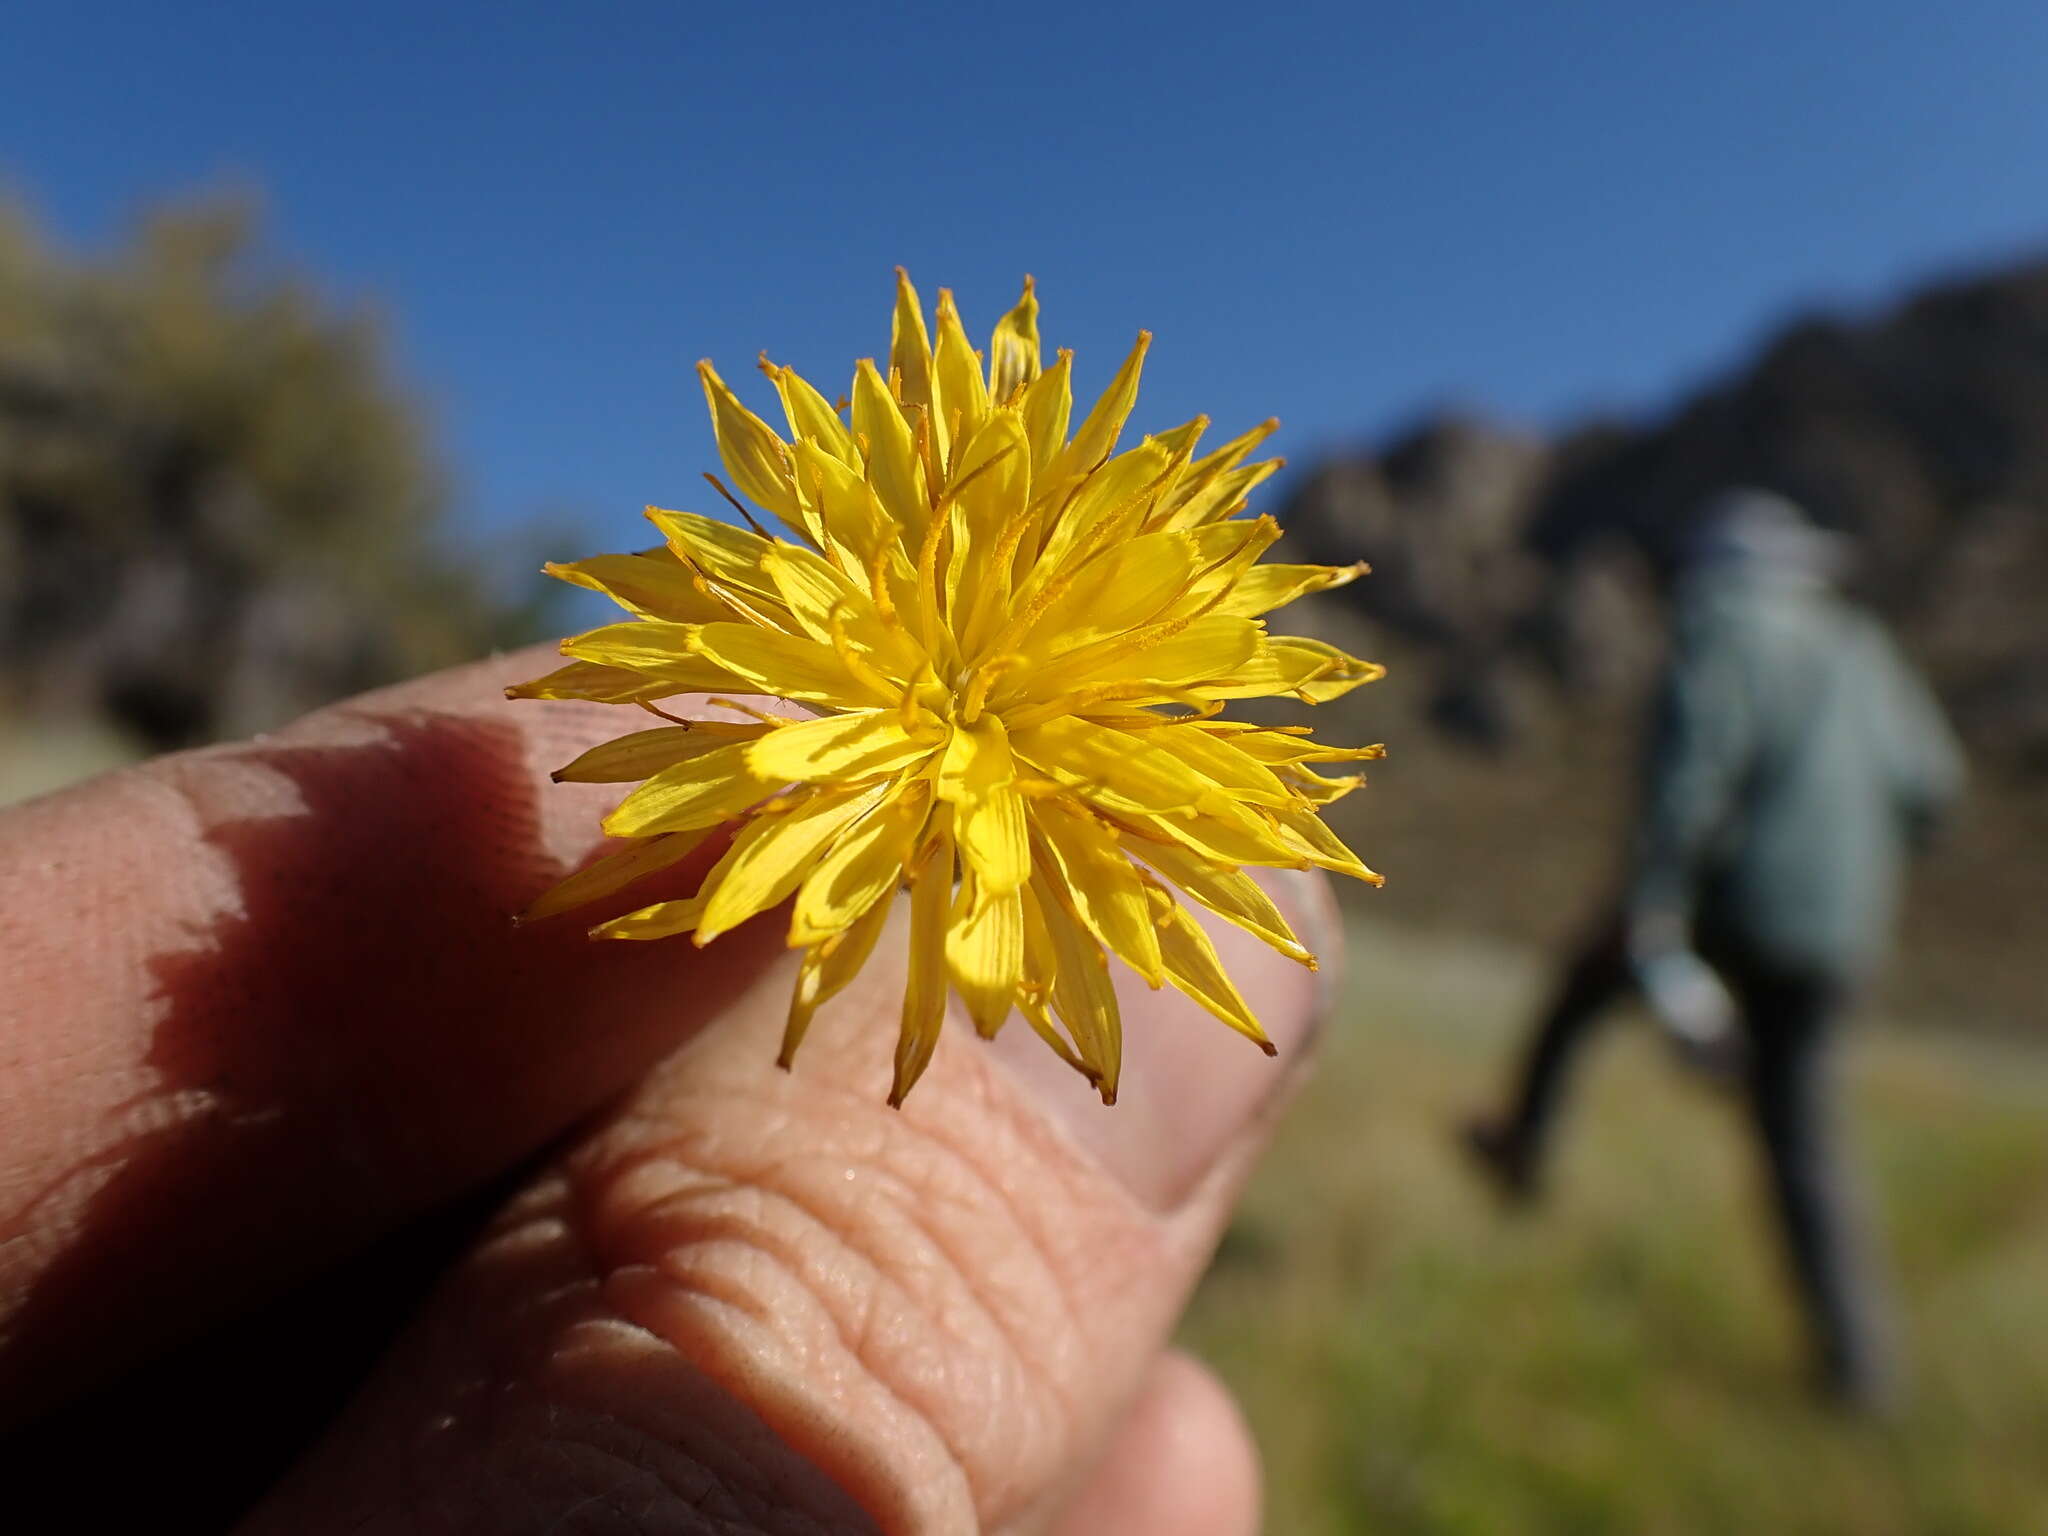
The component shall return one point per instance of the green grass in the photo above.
(1623, 1359)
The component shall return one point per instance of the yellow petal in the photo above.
(1154, 664)
(1345, 674)
(1108, 895)
(985, 953)
(658, 649)
(1112, 500)
(816, 593)
(853, 516)
(924, 992)
(1266, 587)
(993, 481)
(1013, 350)
(1126, 585)
(656, 586)
(771, 855)
(959, 397)
(977, 777)
(699, 793)
(1046, 407)
(826, 969)
(1309, 669)
(1229, 893)
(754, 456)
(1234, 840)
(645, 753)
(603, 685)
(663, 920)
(838, 748)
(1320, 791)
(862, 867)
(1034, 1009)
(728, 557)
(1117, 768)
(1081, 992)
(894, 469)
(1192, 966)
(1285, 747)
(910, 347)
(1230, 549)
(1323, 847)
(1223, 495)
(614, 872)
(785, 666)
(1248, 780)
(811, 416)
(1096, 437)
(1203, 473)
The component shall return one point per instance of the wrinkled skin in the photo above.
(260, 1004)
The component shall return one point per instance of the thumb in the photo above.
(755, 1301)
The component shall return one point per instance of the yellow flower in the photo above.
(1015, 641)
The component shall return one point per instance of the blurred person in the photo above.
(1795, 761)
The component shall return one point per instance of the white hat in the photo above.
(1751, 527)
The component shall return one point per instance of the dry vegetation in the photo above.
(1415, 1360)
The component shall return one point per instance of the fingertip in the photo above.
(1183, 1462)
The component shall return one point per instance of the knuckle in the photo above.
(911, 1299)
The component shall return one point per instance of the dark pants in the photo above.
(1789, 1016)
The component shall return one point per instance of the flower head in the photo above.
(1015, 642)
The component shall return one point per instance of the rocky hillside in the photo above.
(1517, 591)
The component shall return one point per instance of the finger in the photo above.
(260, 1002)
(770, 1298)
(1182, 1463)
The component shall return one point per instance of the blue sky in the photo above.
(1338, 214)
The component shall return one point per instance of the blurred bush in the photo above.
(217, 508)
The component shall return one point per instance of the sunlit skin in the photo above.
(1012, 644)
(260, 1005)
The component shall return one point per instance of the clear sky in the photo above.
(1340, 214)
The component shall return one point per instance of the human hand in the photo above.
(1691, 1004)
(262, 1005)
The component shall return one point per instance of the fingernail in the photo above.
(1192, 1087)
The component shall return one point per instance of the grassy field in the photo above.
(1622, 1360)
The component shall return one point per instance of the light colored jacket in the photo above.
(1795, 761)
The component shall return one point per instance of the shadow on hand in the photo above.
(354, 1054)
